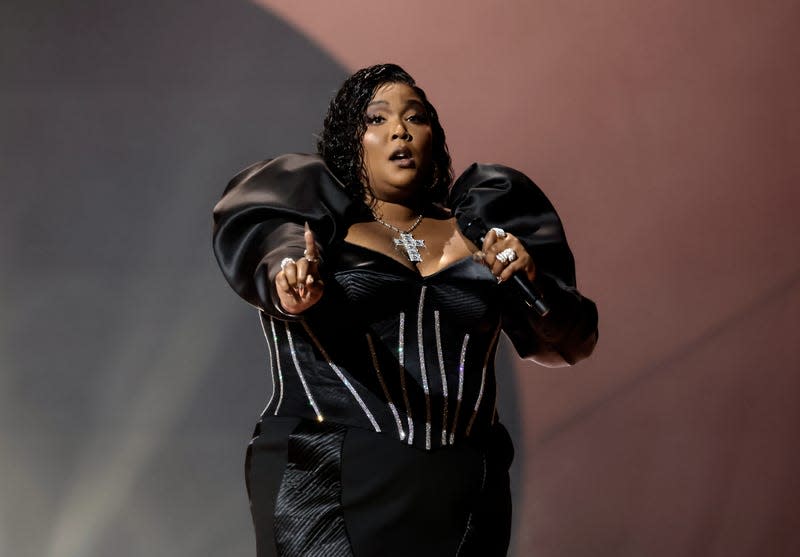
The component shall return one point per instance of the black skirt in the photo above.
(328, 490)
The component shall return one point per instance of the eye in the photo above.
(418, 118)
(375, 119)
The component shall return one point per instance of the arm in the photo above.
(498, 196)
(260, 219)
(566, 335)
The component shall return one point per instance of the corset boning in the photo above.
(389, 350)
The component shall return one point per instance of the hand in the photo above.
(298, 284)
(492, 245)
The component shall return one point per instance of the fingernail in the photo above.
(499, 280)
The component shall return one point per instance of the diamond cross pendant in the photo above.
(410, 244)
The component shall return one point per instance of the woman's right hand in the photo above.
(298, 284)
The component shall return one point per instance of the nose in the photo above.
(400, 132)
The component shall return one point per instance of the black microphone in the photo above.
(475, 230)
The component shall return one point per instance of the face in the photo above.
(397, 143)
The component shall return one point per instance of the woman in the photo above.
(381, 316)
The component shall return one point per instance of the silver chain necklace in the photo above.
(405, 239)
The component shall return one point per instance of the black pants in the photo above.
(323, 489)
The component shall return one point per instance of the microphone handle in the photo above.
(526, 290)
(531, 298)
(474, 226)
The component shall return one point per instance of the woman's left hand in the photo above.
(494, 245)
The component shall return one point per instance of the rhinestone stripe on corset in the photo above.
(402, 368)
(341, 376)
(392, 407)
(423, 368)
(271, 364)
(300, 373)
(461, 361)
(437, 328)
(483, 380)
(278, 364)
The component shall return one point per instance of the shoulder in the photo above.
(277, 168)
(490, 182)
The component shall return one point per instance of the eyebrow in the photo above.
(408, 103)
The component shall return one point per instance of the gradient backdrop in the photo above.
(667, 133)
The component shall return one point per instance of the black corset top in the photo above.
(391, 350)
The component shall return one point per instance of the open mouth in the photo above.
(403, 158)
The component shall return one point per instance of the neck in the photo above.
(398, 214)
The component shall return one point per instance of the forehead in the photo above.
(395, 93)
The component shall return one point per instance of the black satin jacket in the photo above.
(386, 348)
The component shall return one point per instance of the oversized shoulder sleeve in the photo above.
(499, 196)
(260, 220)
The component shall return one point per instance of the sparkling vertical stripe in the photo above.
(461, 361)
(483, 379)
(392, 407)
(441, 371)
(341, 376)
(300, 373)
(401, 362)
(271, 366)
(278, 364)
(422, 368)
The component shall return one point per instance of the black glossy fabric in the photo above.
(399, 500)
(496, 195)
(308, 510)
(392, 355)
(323, 490)
(390, 351)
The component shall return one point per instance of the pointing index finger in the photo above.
(311, 246)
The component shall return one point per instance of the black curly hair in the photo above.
(339, 143)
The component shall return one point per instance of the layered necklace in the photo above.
(405, 239)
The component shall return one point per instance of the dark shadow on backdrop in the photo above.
(131, 374)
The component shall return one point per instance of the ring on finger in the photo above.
(309, 259)
(506, 256)
(285, 261)
(499, 232)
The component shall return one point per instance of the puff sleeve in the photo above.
(499, 196)
(260, 220)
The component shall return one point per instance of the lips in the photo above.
(403, 158)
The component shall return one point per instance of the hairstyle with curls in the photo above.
(340, 144)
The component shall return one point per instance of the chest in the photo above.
(428, 248)
(370, 288)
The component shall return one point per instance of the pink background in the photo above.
(667, 135)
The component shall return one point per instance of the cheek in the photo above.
(370, 141)
(427, 145)
(370, 144)
(426, 138)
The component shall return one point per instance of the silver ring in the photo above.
(285, 261)
(499, 232)
(506, 256)
(309, 259)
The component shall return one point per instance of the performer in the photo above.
(382, 288)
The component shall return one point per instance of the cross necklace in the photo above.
(406, 240)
